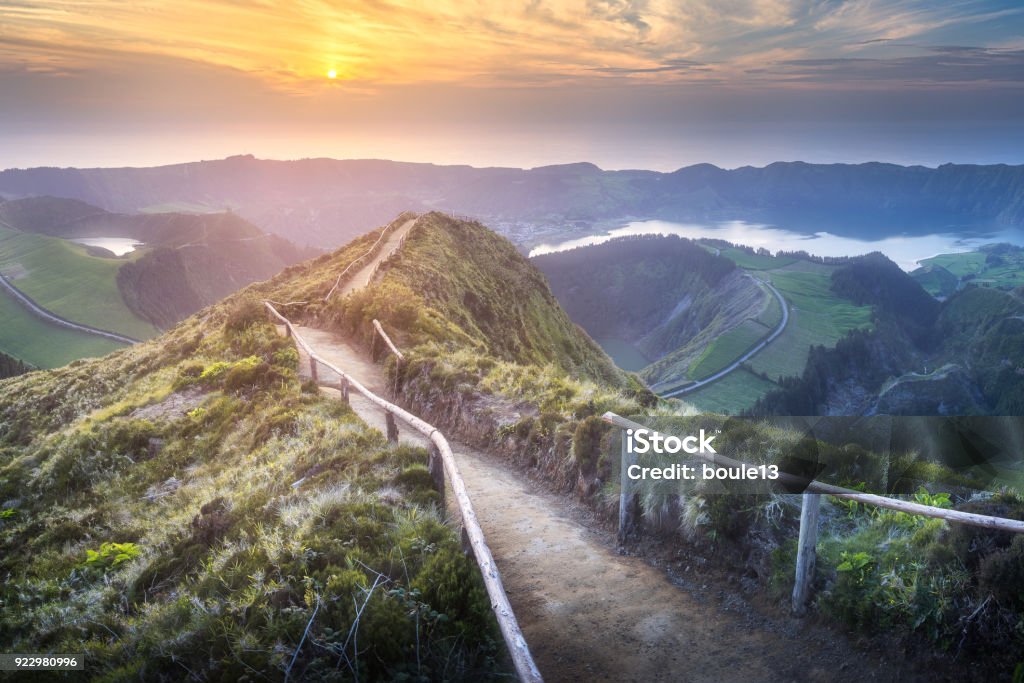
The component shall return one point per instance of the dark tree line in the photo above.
(11, 366)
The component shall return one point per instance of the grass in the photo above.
(727, 348)
(180, 207)
(1007, 275)
(744, 259)
(818, 317)
(958, 264)
(63, 278)
(43, 344)
(178, 542)
(730, 395)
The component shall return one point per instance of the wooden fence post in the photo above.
(288, 331)
(312, 369)
(389, 419)
(625, 493)
(436, 467)
(806, 551)
(344, 390)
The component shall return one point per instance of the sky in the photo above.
(622, 83)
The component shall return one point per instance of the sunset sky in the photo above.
(655, 84)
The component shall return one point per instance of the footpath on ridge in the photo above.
(587, 612)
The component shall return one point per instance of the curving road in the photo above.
(49, 317)
(745, 357)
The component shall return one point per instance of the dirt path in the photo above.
(391, 244)
(591, 614)
(588, 613)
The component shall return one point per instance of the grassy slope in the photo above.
(1008, 274)
(744, 259)
(224, 561)
(460, 284)
(732, 394)
(63, 278)
(727, 347)
(818, 317)
(42, 344)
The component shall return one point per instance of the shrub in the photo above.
(244, 314)
(109, 556)
(1002, 575)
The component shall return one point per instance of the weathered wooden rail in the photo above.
(807, 544)
(387, 340)
(442, 462)
(401, 220)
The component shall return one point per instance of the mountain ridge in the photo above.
(327, 201)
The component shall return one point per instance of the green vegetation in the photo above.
(752, 260)
(817, 317)
(185, 505)
(460, 285)
(648, 286)
(727, 347)
(64, 278)
(44, 344)
(993, 265)
(955, 586)
(936, 280)
(731, 395)
(11, 366)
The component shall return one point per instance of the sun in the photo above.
(332, 74)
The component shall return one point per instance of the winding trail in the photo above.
(55, 319)
(589, 613)
(745, 357)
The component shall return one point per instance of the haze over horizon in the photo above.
(653, 84)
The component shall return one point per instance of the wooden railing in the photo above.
(401, 220)
(807, 544)
(442, 461)
(387, 340)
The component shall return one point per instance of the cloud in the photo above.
(940, 65)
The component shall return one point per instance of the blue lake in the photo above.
(905, 250)
(118, 245)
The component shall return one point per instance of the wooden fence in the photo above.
(442, 462)
(401, 220)
(807, 544)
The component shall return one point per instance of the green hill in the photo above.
(151, 517)
(44, 344)
(68, 280)
(667, 299)
(149, 520)
(455, 284)
(186, 504)
(186, 261)
(992, 265)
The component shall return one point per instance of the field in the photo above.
(744, 259)
(817, 318)
(1006, 272)
(28, 338)
(179, 207)
(732, 394)
(63, 278)
(726, 348)
(972, 262)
